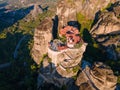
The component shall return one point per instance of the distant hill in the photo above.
(13, 10)
(21, 3)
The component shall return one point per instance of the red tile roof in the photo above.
(71, 33)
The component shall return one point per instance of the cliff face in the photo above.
(100, 77)
(37, 10)
(107, 31)
(67, 9)
(70, 60)
(90, 7)
(41, 38)
(108, 22)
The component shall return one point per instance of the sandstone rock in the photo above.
(67, 9)
(42, 36)
(49, 75)
(67, 59)
(37, 10)
(90, 7)
(108, 22)
(107, 31)
(65, 12)
(110, 44)
(99, 77)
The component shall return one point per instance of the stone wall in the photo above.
(66, 59)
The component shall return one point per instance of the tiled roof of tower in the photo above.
(72, 35)
(68, 30)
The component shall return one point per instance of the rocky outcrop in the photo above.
(67, 9)
(41, 38)
(99, 77)
(90, 7)
(107, 31)
(70, 60)
(108, 22)
(37, 10)
(65, 12)
(64, 64)
(61, 67)
(48, 74)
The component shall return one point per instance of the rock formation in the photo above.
(90, 7)
(107, 31)
(37, 10)
(67, 9)
(99, 77)
(48, 74)
(108, 22)
(63, 64)
(69, 60)
(41, 38)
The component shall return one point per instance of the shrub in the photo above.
(63, 39)
(76, 68)
(84, 21)
(118, 80)
(78, 45)
(107, 7)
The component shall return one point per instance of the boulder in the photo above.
(98, 77)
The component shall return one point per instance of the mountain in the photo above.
(106, 31)
(59, 44)
(63, 67)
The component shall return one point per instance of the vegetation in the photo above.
(68, 70)
(84, 21)
(25, 27)
(64, 87)
(42, 58)
(118, 80)
(76, 68)
(63, 39)
(78, 45)
(118, 48)
(93, 51)
(74, 77)
(70, 2)
(83, 1)
(19, 74)
(118, 16)
(107, 7)
(22, 73)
